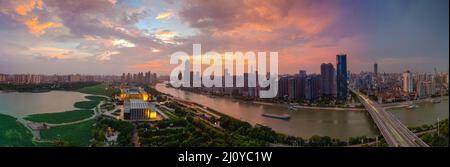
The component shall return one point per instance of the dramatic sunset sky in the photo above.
(115, 36)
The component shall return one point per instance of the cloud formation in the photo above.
(38, 28)
(115, 36)
(164, 15)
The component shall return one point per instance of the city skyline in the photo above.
(225, 74)
(105, 37)
(429, 71)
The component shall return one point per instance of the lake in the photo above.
(20, 105)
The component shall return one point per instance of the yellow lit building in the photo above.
(139, 110)
(135, 93)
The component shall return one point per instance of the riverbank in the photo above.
(272, 103)
(86, 109)
(435, 135)
(408, 103)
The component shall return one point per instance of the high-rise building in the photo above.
(375, 69)
(3, 78)
(312, 87)
(123, 78)
(327, 76)
(283, 87)
(27, 79)
(292, 87)
(407, 80)
(75, 78)
(421, 89)
(154, 78)
(302, 73)
(301, 84)
(341, 77)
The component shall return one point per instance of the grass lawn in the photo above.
(74, 135)
(63, 117)
(101, 89)
(14, 134)
(95, 98)
(86, 104)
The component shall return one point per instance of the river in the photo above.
(340, 124)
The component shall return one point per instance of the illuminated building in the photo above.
(139, 110)
(135, 93)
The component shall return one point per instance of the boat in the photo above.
(277, 116)
(435, 101)
(412, 106)
(292, 108)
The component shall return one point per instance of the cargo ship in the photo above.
(277, 116)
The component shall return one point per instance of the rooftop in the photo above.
(136, 104)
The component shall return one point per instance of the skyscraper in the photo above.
(301, 84)
(407, 82)
(341, 77)
(327, 76)
(375, 77)
(375, 69)
(312, 87)
(292, 87)
(302, 73)
(283, 87)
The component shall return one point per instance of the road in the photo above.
(395, 133)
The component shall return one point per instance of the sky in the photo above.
(116, 36)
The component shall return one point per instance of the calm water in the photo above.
(427, 113)
(308, 122)
(22, 104)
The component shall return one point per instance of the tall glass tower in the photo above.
(341, 77)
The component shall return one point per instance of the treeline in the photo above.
(46, 86)
(439, 137)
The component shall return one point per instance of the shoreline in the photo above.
(49, 112)
(272, 103)
(311, 107)
(408, 103)
(330, 108)
(36, 134)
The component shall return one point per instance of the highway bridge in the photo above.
(394, 132)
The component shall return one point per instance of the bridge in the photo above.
(394, 132)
